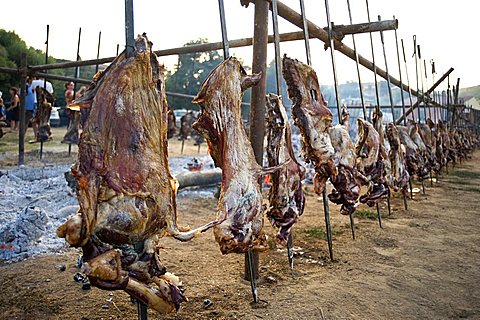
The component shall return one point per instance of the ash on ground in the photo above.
(35, 201)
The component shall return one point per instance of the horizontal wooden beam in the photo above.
(202, 47)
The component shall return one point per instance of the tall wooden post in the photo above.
(21, 129)
(257, 100)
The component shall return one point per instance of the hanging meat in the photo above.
(220, 123)
(428, 137)
(369, 163)
(424, 167)
(346, 186)
(286, 198)
(126, 193)
(414, 161)
(396, 154)
(42, 115)
(313, 118)
(72, 136)
(172, 126)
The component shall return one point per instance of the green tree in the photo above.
(190, 71)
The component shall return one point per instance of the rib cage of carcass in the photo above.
(126, 193)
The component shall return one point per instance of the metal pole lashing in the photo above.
(388, 75)
(408, 81)
(337, 99)
(426, 84)
(278, 78)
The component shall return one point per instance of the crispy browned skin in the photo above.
(396, 154)
(370, 163)
(286, 198)
(313, 118)
(220, 123)
(346, 186)
(42, 115)
(124, 187)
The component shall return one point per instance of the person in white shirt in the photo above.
(41, 83)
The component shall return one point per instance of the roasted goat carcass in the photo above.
(126, 193)
(286, 198)
(42, 116)
(72, 136)
(346, 186)
(220, 123)
(369, 163)
(428, 137)
(412, 157)
(313, 118)
(423, 154)
(396, 154)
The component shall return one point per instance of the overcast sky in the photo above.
(446, 30)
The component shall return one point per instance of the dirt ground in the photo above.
(423, 264)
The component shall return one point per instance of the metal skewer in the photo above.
(278, 78)
(250, 258)
(377, 94)
(403, 101)
(44, 86)
(337, 99)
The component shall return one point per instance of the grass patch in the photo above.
(459, 182)
(469, 189)
(367, 214)
(319, 233)
(465, 174)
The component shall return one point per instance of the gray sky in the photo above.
(445, 30)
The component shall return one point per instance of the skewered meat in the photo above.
(126, 193)
(428, 137)
(424, 167)
(72, 135)
(286, 198)
(313, 118)
(346, 187)
(414, 162)
(396, 155)
(220, 122)
(42, 116)
(172, 127)
(369, 163)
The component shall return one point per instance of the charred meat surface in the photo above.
(45, 101)
(126, 193)
(369, 163)
(220, 123)
(312, 117)
(346, 187)
(396, 155)
(286, 198)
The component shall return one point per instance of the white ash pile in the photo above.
(33, 202)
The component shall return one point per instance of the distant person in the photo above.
(30, 105)
(69, 93)
(13, 109)
(40, 82)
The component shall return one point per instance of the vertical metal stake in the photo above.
(379, 216)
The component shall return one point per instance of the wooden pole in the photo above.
(21, 129)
